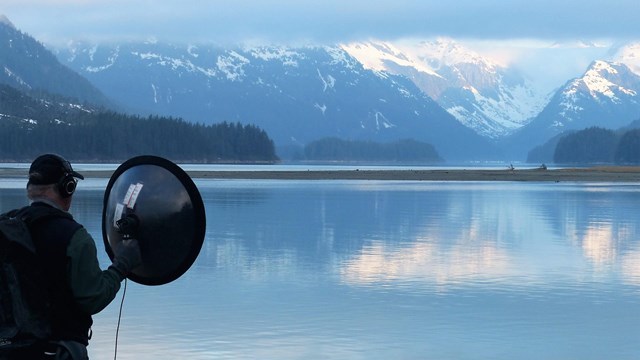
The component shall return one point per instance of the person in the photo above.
(78, 287)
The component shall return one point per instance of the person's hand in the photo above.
(127, 256)
(128, 226)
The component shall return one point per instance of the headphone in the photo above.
(67, 183)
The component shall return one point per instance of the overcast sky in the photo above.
(516, 32)
(323, 21)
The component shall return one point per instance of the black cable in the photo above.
(124, 292)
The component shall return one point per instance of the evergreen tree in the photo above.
(589, 146)
(628, 150)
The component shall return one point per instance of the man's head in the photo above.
(51, 169)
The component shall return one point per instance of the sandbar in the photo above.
(589, 174)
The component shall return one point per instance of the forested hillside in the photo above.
(597, 145)
(30, 126)
(27, 65)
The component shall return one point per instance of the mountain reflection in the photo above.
(426, 262)
(599, 219)
(406, 234)
(631, 267)
(599, 245)
(403, 234)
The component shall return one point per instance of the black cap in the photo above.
(50, 169)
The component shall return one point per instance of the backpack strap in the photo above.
(34, 213)
(15, 231)
(16, 224)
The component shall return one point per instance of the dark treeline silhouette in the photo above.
(334, 149)
(110, 136)
(628, 149)
(30, 126)
(597, 145)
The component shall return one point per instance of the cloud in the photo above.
(327, 21)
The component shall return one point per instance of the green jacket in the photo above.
(92, 287)
(77, 286)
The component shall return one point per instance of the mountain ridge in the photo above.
(28, 65)
(597, 98)
(296, 94)
(487, 97)
(441, 92)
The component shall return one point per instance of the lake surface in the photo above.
(388, 270)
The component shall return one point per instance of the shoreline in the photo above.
(592, 174)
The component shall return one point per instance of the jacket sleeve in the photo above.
(92, 287)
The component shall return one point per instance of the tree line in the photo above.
(598, 145)
(29, 127)
(335, 149)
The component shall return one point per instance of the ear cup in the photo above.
(67, 185)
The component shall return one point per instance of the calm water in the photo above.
(389, 270)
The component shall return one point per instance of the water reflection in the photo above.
(368, 233)
(630, 265)
(602, 221)
(534, 260)
(426, 262)
(379, 270)
(371, 233)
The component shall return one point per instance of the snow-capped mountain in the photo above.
(484, 96)
(610, 85)
(438, 92)
(607, 95)
(296, 94)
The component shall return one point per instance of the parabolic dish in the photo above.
(171, 214)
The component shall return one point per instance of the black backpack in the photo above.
(25, 311)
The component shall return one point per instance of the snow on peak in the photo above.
(481, 94)
(600, 80)
(600, 66)
(341, 56)
(375, 55)
(232, 65)
(111, 60)
(270, 53)
(445, 51)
